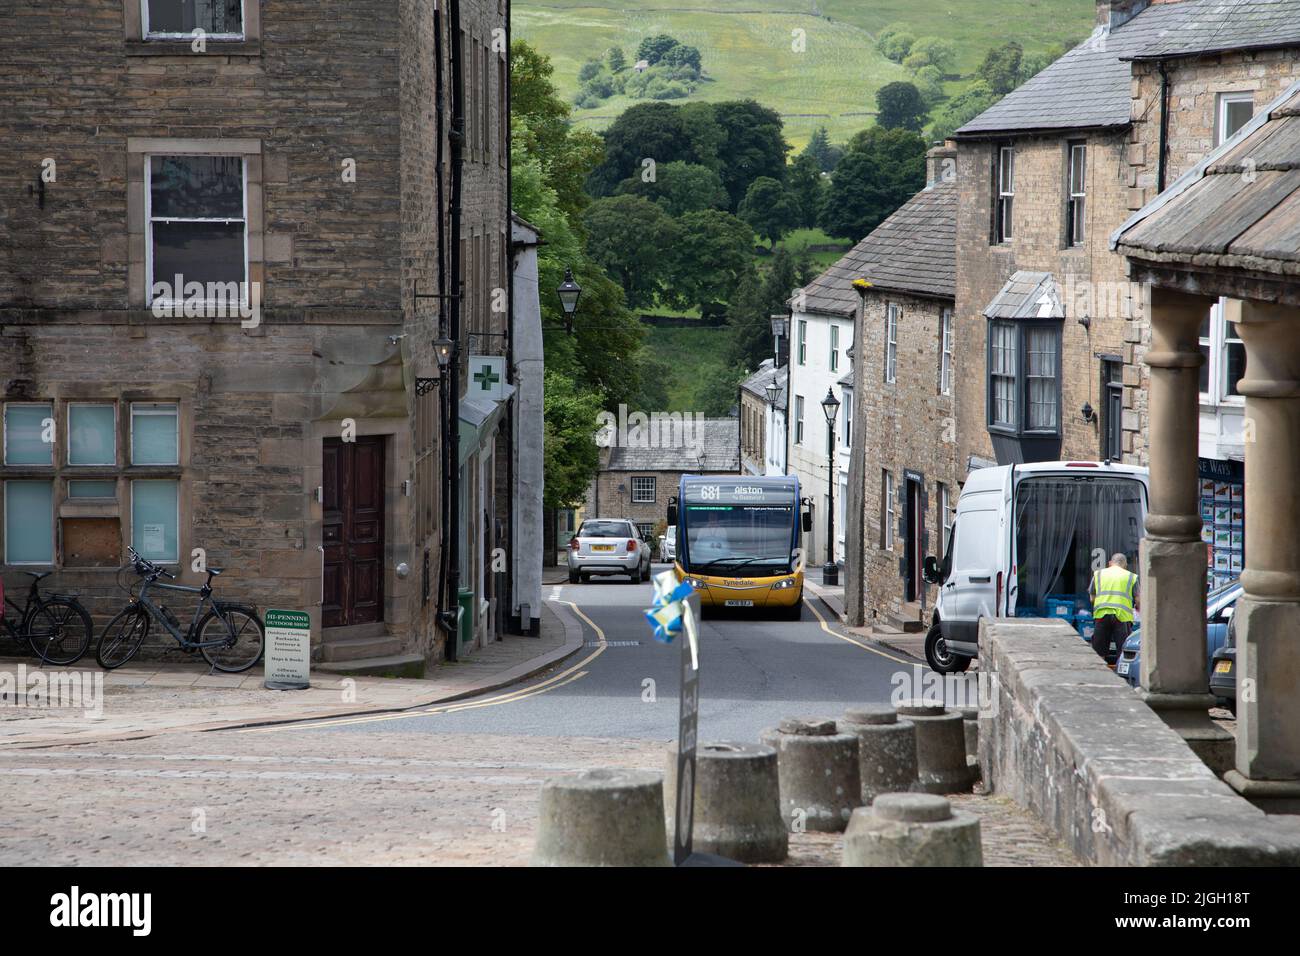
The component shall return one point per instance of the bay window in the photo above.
(1024, 383)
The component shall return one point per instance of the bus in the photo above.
(738, 541)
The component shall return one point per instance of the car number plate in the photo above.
(1223, 667)
(1122, 668)
(602, 547)
(740, 604)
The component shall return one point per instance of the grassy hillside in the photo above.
(747, 46)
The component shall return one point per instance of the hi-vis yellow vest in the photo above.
(1113, 590)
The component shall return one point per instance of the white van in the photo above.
(1025, 542)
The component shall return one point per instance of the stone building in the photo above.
(904, 473)
(1050, 331)
(637, 476)
(762, 428)
(276, 411)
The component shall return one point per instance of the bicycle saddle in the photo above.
(38, 576)
(215, 571)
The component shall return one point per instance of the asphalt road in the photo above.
(754, 671)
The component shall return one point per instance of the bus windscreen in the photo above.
(739, 538)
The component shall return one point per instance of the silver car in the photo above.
(668, 544)
(608, 546)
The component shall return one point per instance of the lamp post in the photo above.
(830, 570)
(781, 325)
(569, 292)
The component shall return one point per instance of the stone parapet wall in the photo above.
(1066, 738)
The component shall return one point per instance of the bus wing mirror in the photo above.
(932, 572)
(672, 514)
(807, 521)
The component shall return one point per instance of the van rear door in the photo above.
(968, 592)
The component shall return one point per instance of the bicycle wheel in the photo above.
(241, 634)
(59, 631)
(122, 637)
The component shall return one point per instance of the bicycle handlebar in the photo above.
(145, 567)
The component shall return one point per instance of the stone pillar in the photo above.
(1268, 616)
(1173, 557)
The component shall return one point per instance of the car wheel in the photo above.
(939, 657)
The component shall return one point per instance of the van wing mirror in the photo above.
(931, 571)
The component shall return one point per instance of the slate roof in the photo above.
(1212, 26)
(1090, 86)
(757, 383)
(1239, 208)
(1027, 295)
(716, 439)
(914, 250)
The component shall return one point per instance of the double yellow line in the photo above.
(567, 676)
(853, 640)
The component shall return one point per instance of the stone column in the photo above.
(1268, 616)
(1173, 561)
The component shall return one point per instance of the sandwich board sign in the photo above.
(287, 656)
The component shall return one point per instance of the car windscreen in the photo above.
(750, 538)
(1067, 528)
(604, 529)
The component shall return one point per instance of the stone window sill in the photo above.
(250, 47)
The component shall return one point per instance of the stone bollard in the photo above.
(912, 829)
(737, 802)
(941, 765)
(886, 749)
(818, 772)
(970, 718)
(602, 818)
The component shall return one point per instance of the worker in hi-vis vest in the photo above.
(1114, 593)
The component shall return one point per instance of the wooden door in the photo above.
(353, 533)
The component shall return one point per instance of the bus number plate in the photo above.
(740, 604)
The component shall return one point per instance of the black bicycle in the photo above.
(230, 636)
(56, 627)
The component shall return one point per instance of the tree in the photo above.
(753, 145)
(963, 108)
(930, 82)
(679, 188)
(753, 304)
(643, 131)
(881, 170)
(819, 147)
(711, 254)
(569, 450)
(900, 106)
(769, 210)
(807, 188)
(684, 56)
(615, 60)
(589, 70)
(897, 46)
(932, 51)
(653, 49)
(631, 238)
(1001, 67)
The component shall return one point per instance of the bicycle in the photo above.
(57, 628)
(230, 636)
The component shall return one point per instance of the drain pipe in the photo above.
(1164, 127)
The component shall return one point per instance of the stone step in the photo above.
(908, 618)
(360, 648)
(394, 665)
(354, 631)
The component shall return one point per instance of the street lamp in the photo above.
(830, 570)
(443, 349)
(569, 292)
(773, 390)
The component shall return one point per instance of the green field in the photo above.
(747, 46)
(695, 356)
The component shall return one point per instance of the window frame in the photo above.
(946, 345)
(887, 513)
(131, 434)
(130, 530)
(1215, 347)
(98, 464)
(1222, 101)
(893, 312)
(149, 220)
(798, 419)
(4, 514)
(1004, 175)
(147, 34)
(1076, 198)
(4, 437)
(834, 347)
(947, 518)
(1020, 378)
(803, 341)
(846, 432)
(638, 497)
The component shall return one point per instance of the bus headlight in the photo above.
(698, 584)
(784, 584)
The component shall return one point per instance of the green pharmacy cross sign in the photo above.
(487, 378)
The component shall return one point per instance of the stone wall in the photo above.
(902, 426)
(1064, 737)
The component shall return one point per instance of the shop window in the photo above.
(92, 435)
(29, 434)
(154, 438)
(29, 522)
(155, 519)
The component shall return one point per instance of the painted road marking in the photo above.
(852, 640)
(566, 676)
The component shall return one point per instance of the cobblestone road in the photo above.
(312, 798)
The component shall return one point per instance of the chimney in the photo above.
(1116, 13)
(941, 164)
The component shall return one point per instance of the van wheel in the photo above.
(939, 657)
